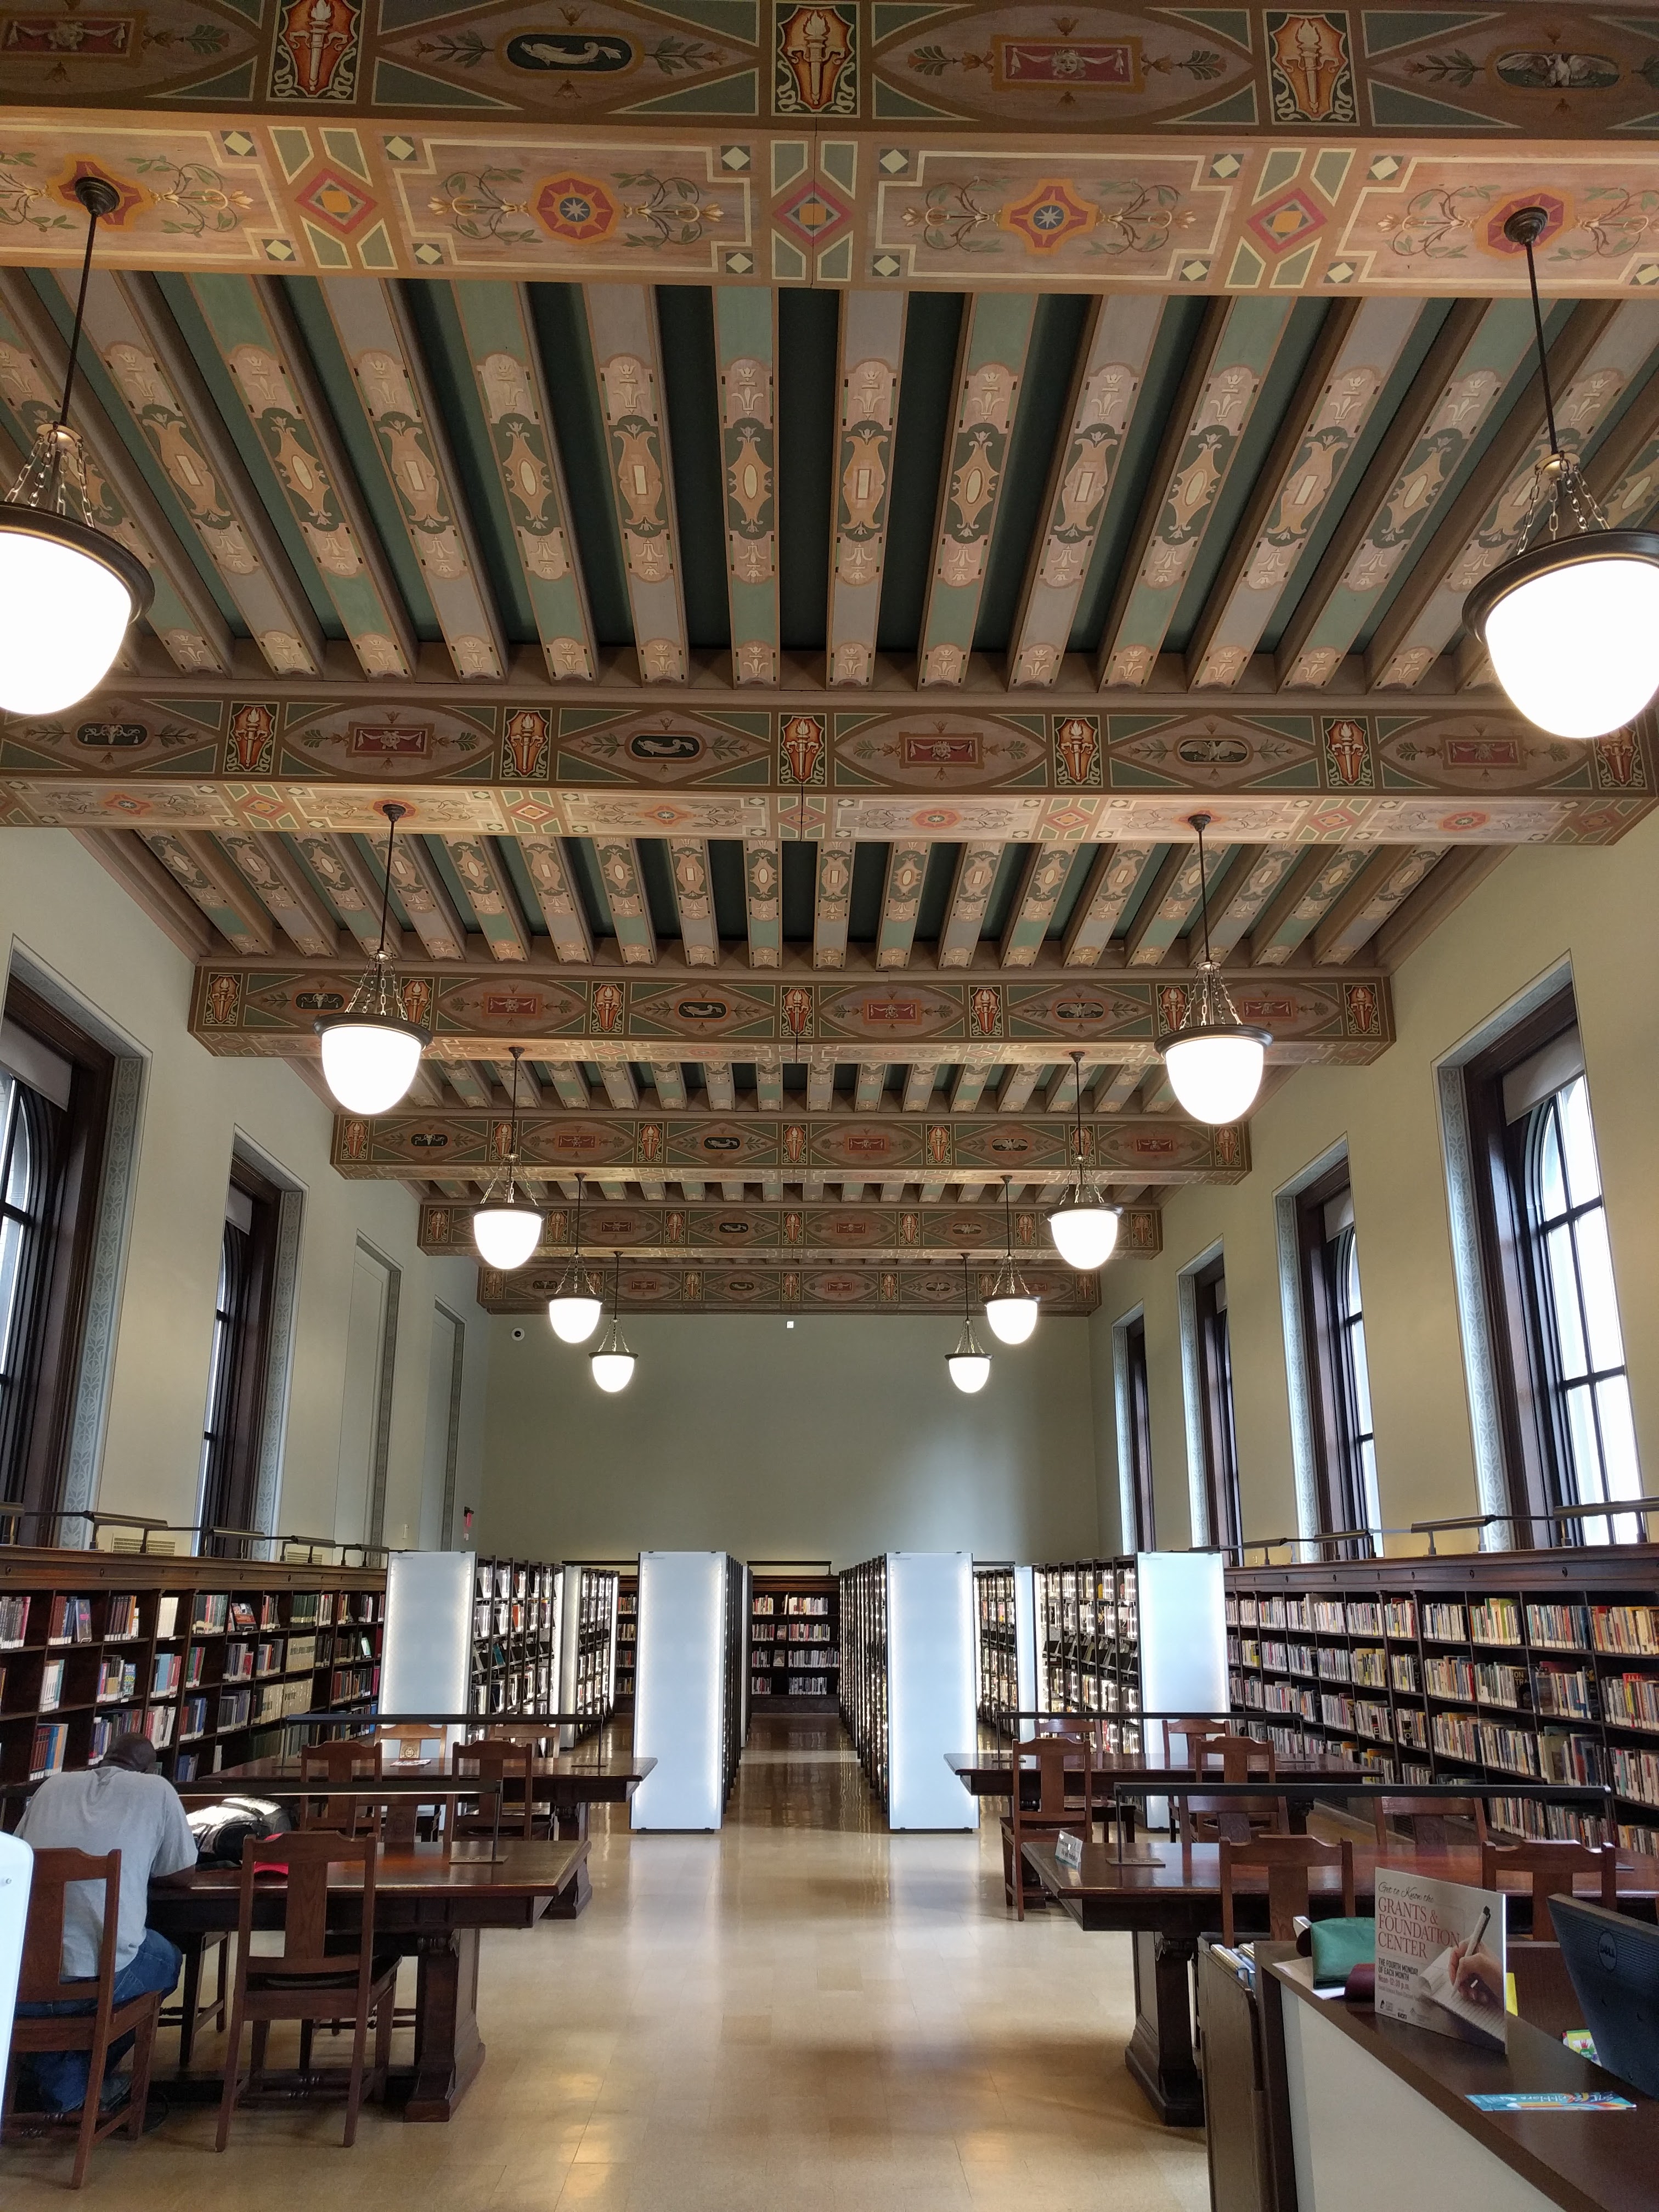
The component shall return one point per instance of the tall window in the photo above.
(27, 1203)
(1215, 1379)
(1338, 1381)
(1558, 1349)
(233, 1422)
(1134, 1441)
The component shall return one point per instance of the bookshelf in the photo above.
(515, 1636)
(1088, 1618)
(628, 1638)
(1538, 1666)
(794, 1639)
(906, 1682)
(862, 1678)
(587, 1678)
(214, 1659)
(1004, 1646)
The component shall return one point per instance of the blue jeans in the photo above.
(59, 2077)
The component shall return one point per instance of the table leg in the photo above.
(448, 2050)
(1160, 2053)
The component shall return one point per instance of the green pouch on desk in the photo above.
(1338, 1946)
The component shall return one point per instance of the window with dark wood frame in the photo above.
(1138, 1392)
(1339, 1383)
(1562, 1398)
(233, 1422)
(52, 1233)
(1215, 1383)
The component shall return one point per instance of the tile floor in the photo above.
(802, 2014)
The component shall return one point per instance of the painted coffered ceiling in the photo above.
(802, 506)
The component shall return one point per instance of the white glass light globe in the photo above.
(1086, 1236)
(969, 1370)
(505, 1235)
(612, 1370)
(63, 615)
(1216, 1076)
(369, 1065)
(1012, 1319)
(575, 1317)
(1576, 646)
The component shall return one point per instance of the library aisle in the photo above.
(800, 2014)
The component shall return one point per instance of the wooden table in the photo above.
(989, 1773)
(1170, 1893)
(570, 1781)
(430, 1905)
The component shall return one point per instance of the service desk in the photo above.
(430, 1905)
(1380, 2118)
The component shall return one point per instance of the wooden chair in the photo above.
(1054, 1808)
(1552, 1868)
(1193, 1732)
(494, 1764)
(1289, 1862)
(308, 1981)
(541, 1742)
(102, 2023)
(411, 1742)
(351, 1758)
(1424, 1818)
(1232, 1759)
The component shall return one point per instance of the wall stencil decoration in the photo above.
(1311, 68)
(315, 54)
(815, 59)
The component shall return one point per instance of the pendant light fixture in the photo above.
(1214, 1061)
(969, 1364)
(613, 1362)
(575, 1307)
(67, 590)
(506, 1229)
(1011, 1308)
(1572, 622)
(1082, 1226)
(371, 1052)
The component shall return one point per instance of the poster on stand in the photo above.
(1440, 1961)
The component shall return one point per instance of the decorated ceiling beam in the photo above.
(996, 335)
(1349, 924)
(247, 1006)
(763, 900)
(1207, 425)
(1240, 896)
(506, 370)
(745, 346)
(832, 902)
(900, 902)
(970, 893)
(741, 1146)
(872, 354)
(693, 901)
(787, 1226)
(1397, 768)
(1166, 913)
(846, 1286)
(622, 325)
(623, 885)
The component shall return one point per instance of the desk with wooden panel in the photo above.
(430, 1904)
(1168, 1893)
(990, 1773)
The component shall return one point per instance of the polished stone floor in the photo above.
(803, 2014)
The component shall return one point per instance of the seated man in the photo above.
(122, 1805)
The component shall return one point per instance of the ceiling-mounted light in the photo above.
(371, 1051)
(1011, 1308)
(969, 1364)
(507, 1228)
(1214, 1061)
(613, 1362)
(1082, 1226)
(575, 1307)
(67, 590)
(1571, 622)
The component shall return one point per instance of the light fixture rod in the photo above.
(1201, 822)
(1523, 227)
(394, 814)
(1076, 1066)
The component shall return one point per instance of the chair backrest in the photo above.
(489, 1763)
(38, 1980)
(1553, 1869)
(1235, 1759)
(351, 1759)
(409, 1741)
(1424, 1818)
(1192, 1732)
(308, 1858)
(1289, 1862)
(1052, 1753)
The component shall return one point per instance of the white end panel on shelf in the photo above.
(1025, 1646)
(425, 1660)
(930, 1688)
(16, 1868)
(1181, 1601)
(679, 1689)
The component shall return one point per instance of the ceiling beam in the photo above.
(763, 899)
(901, 901)
(872, 354)
(194, 861)
(970, 890)
(621, 322)
(351, 888)
(623, 883)
(279, 885)
(838, 1287)
(693, 901)
(1113, 875)
(1353, 920)
(1449, 883)
(1206, 429)
(1111, 367)
(484, 878)
(557, 896)
(421, 891)
(746, 348)
(1237, 900)
(1042, 880)
(832, 902)
(123, 854)
(1171, 900)
(996, 337)
(1303, 898)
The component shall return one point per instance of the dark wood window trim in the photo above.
(39, 1451)
(1138, 1442)
(234, 1421)
(1215, 1383)
(1340, 1493)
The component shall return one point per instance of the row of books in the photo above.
(1622, 1630)
(793, 1655)
(794, 1605)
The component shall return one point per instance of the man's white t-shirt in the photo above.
(108, 1809)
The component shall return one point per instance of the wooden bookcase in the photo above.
(516, 1636)
(592, 1592)
(794, 1639)
(862, 1678)
(996, 1687)
(628, 1637)
(1538, 1666)
(214, 1660)
(1089, 1645)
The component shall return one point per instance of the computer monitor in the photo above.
(1614, 1965)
